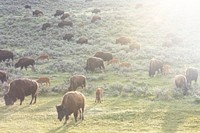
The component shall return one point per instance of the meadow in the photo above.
(133, 101)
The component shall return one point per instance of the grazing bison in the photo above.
(113, 61)
(37, 13)
(65, 23)
(72, 102)
(123, 40)
(19, 89)
(6, 55)
(45, 26)
(43, 57)
(25, 62)
(42, 80)
(95, 18)
(76, 81)
(96, 11)
(103, 55)
(68, 36)
(58, 13)
(27, 7)
(82, 40)
(181, 82)
(191, 74)
(94, 62)
(3, 76)
(65, 15)
(155, 65)
(99, 95)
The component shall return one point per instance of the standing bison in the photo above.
(103, 55)
(6, 55)
(191, 74)
(155, 65)
(99, 95)
(3, 76)
(37, 13)
(45, 26)
(25, 62)
(72, 102)
(65, 23)
(19, 89)
(68, 36)
(181, 82)
(76, 81)
(94, 62)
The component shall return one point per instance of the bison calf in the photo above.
(99, 95)
(3, 76)
(42, 80)
(20, 88)
(76, 81)
(72, 102)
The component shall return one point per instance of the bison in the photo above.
(43, 57)
(19, 89)
(191, 74)
(37, 13)
(25, 62)
(134, 46)
(99, 95)
(27, 7)
(42, 80)
(68, 36)
(82, 40)
(95, 18)
(58, 13)
(65, 15)
(65, 23)
(76, 81)
(181, 82)
(125, 64)
(45, 26)
(165, 69)
(155, 66)
(113, 61)
(6, 55)
(72, 102)
(96, 11)
(104, 55)
(3, 76)
(123, 40)
(94, 62)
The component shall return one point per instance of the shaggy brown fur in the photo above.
(68, 36)
(65, 23)
(94, 62)
(82, 40)
(191, 74)
(37, 13)
(25, 62)
(99, 95)
(19, 89)
(76, 81)
(45, 26)
(6, 55)
(181, 82)
(42, 80)
(64, 16)
(3, 76)
(95, 18)
(58, 13)
(155, 66)
(123, 40)
(104, 55)
(72, 102)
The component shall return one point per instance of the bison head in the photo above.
(17, 65)
(61, 112)
(8, 100)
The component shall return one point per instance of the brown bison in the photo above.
(134, 46)
(113, 61)
(25, 62)
(65, 23)
(104, 55)
(96, 11)
(181, 82)
(65, 15)
(123, 40)
(27, 7)
(191, 74)
(82, 40)
(76, 81)
(155, 66)
(37, 13)
(42, 80)
(99, 95)
(3, 76)
(58, 13)
(94, 62)
(166, 69)
(19, 89)
(45, 26)
(95, 18)
(68, 36)
(43, 57)
(6, 55)
(72, 102)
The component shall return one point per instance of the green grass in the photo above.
(114, 114)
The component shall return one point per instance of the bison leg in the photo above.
(75, 115)
(21, 67)
(80, 114)
(33, 97)
(21, 100)
(66, 118)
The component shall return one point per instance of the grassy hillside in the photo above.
(133, 101)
